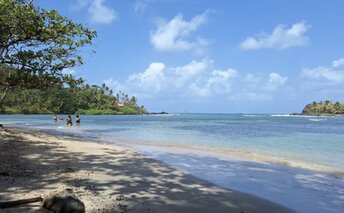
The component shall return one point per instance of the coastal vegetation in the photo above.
(79, 99)
(324, 108)
(37, 47)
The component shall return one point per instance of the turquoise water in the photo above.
(314, 142)
(247, 152)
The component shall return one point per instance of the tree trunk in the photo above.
(3, 96)
(10, 204)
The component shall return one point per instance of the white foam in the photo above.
(316, 119)
(281, 115)
(249, 115)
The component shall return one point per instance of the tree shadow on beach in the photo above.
(114, 180)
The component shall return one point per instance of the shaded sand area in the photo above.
(107, 178)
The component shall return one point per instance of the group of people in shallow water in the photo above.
(69, 121)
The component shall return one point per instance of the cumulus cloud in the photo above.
(140, 6)
(174, 35)
(198, 80)
(324, 82)
(219, 82)
(151, 79)
(326, 74)
(280, 38)
(275, 80)
(338, 63)
(99, 12)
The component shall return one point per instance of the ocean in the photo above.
(297, 161)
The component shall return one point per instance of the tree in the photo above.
(324, 108)
(132, 101)
(80, 99)
(36, 45)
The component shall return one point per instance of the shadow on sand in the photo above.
(112, 179)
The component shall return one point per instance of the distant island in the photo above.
(323, 108)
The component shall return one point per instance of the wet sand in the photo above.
(107, 178)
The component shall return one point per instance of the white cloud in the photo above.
(275, 80)
(219, 82)
(140, 6)
(338, 63)
(198, 80)
(174, 35)
(183, 75)
(326, 75)
(114, 84)
(322, 82)
(151, 79)
(280, 38)
(99, 12)
(260, 87)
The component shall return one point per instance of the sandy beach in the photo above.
(107, 178)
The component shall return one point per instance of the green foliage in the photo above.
(36, 45)
(79, 99)
(97, 112)
(324, 108)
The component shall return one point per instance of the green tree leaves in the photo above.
(80, 99)
(324, 108)
(39, 44)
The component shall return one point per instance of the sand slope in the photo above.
(107, 178)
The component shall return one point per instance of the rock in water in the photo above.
(64, 202)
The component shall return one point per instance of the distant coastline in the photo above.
(316, 114)
(93, 112)
(322, 108)
(157, 113)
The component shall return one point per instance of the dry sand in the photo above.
(107, 178)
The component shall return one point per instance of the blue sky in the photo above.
(214, 56)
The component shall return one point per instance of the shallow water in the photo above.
(247, 152)
(299, 189)
(310, 142)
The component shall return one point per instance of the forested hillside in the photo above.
(81, 99)
(324, 108)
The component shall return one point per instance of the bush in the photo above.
(96, 112)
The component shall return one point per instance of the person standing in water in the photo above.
(77, 120)
(69, 121)
(55, 118)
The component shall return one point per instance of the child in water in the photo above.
(69, 121)
(77, 120)
(55, 118)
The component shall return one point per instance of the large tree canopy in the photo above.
(36, 45)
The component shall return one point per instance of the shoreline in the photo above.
(108, 178)
(316, 115)
(170, 147)
(242, 156)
